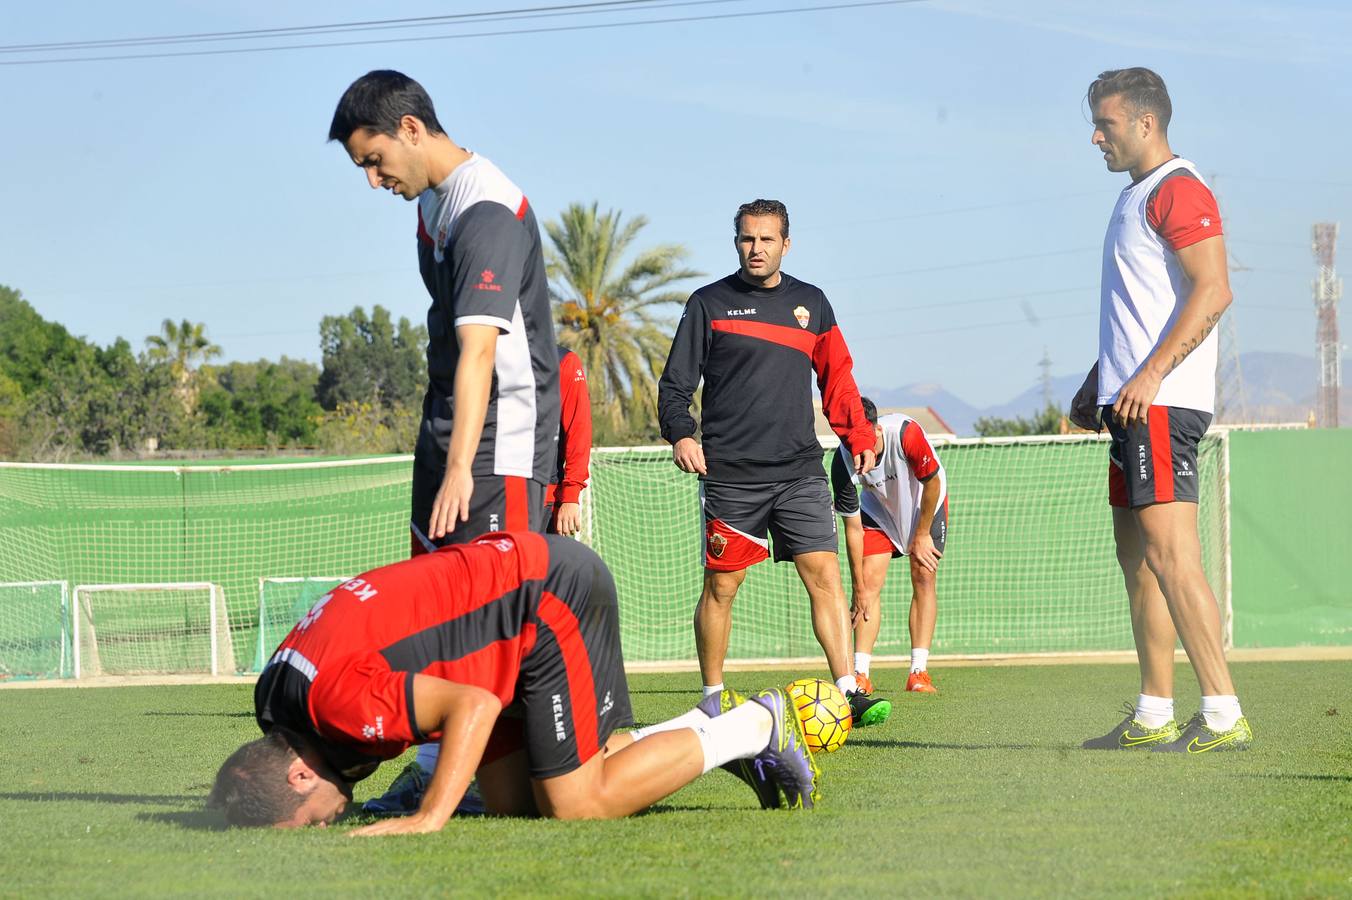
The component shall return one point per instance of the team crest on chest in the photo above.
(801, 314)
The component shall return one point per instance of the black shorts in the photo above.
(571, 693)
(1154, 462)
(499, 503)
(797, 514)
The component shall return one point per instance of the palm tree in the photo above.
(606, 312)
(182, 346)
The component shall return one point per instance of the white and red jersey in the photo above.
(1144, 288)
(892, 488)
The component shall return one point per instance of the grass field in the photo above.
(980, 791)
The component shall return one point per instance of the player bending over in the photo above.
(1165, 286)
(506, 652)
(902, 510)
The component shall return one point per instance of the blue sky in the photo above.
(934, 157)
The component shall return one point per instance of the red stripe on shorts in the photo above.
(1161, 453)
(577, 664)
(517, 517)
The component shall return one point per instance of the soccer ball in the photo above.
(824, 712)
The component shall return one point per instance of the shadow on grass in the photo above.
(96, 797)
(1296, 777)
(210, 715)
(193, 819)
(935, 745)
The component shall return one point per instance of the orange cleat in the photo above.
(920, 682)
(865, 683)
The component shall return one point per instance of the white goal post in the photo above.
(138, 625)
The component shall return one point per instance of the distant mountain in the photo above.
(1278, 387)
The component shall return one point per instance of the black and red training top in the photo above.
(757, 350)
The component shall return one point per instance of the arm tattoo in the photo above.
(1191, 344)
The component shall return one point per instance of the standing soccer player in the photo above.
(757, 337)
(485, 447)
(901, 510)
(563, 510)
(1165, 286)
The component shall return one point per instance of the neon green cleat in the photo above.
(1132, 735)
(1196, 737)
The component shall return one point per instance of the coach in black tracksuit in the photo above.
(756, 337)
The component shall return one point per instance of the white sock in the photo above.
(861, 662)
(919, 659)
(1154, 712)
(713, 688)
(427, 757)
(847, 684)
(692, 719)
(1221, 711)
(737, 734)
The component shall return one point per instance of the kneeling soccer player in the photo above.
(506, 652)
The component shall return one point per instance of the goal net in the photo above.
(1030, 566)
(282, 602)
(226, 525)
(151, 629)
(34, 630)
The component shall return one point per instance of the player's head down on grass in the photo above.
(403, 655)
(279, 780)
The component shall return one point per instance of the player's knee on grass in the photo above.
(505, 785)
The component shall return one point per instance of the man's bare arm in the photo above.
(1205, 265)
(473, 382)
(465, 715)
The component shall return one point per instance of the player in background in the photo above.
(506, 652)
(756, 338)
(900, 510)
(486, 443)
(1165, 286)
(563, 512)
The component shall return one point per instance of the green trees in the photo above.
(372, 383)
(1049, 421)
(182, 347)
(607, 313)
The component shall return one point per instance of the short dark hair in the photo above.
(762, 208)
(378, 101)
(870, 411)
(252, 785)
(1142, 89)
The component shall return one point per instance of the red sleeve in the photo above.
(361, 702)
(1183, 211)
(575, 428)
(918, 452)
(840, 397)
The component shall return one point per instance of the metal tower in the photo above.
(1046, 366)
(1328, 289)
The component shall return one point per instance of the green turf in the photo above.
(978, 791)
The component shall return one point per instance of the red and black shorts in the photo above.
(499, 503)
(1154, 462)
(571, 692)
(877, 542)
(797, 514)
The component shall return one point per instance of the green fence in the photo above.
(1029, 567)
(1291, 543)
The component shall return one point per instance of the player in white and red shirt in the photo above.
(1165, 287)
(901, 509)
